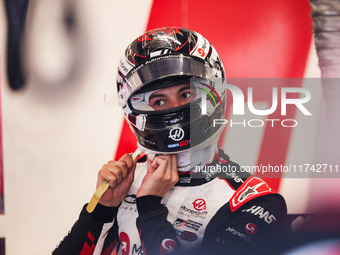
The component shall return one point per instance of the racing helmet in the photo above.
(164, 58)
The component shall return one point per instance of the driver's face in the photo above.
(172, 97)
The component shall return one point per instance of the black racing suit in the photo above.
(225, 211)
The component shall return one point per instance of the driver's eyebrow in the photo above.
(185, 88)
(159, 94)
(156, 95)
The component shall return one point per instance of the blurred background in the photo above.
(63, 123)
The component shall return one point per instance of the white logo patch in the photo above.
(176, 134)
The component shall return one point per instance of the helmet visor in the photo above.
(163, 67)
(158, 99)
(170, 95)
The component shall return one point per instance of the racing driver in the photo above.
(163, 202)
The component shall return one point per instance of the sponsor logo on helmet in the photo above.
(122, 65)
(160, 52)
(251, 228)
(201, 52)
(137, 98)
(176, 134)
(199, 204)
(180, 144)
(173, 145)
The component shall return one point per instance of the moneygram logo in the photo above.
(251, 228)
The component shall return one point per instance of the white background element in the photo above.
(54, 143)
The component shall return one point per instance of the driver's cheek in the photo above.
(185, 100)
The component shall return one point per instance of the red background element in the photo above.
(255, 39)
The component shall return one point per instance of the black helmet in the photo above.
(163, 58)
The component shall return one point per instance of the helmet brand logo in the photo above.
(176, 134)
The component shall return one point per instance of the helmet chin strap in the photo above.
(189, 159)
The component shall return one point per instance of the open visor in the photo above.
(170, 95)
(163, 96)
(167, 66)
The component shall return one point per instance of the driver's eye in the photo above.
(186, 95)
(159, 102)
